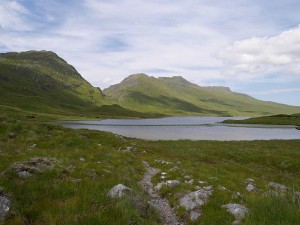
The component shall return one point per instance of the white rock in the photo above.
(194, 199)
(119, 191)
(24, 174)
(163, 173)
(82, 159)
(222, 188)
(251, 188)
(238, 211)
(202, 182)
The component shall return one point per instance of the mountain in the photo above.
(41, 81)
(177, 96)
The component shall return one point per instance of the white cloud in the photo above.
(12, 16)
(262, 55)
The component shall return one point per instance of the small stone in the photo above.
(251, 188)
(24, 174)
(82, 159)
(175, 168)
(202, 182)
(208, 188)
(278, 187)
(119, 191)
(194, 215)
(32, 146)
(197, 187)
(163, 173)
(144, 152)
(4, 207)
(249, 181)
(238, 211)
(222, 188)
(163, 177)
(187, 177)
(214, 178)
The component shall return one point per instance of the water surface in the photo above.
(191, 128)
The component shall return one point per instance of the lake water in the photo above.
(191, 128)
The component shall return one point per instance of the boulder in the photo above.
(194, 199)
(119, 191)
(238, 211)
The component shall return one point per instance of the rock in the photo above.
(251, 188)
(187, 177)
(297, 194)
(162, 161)
(32, 146)
(202, 182)
(278, 187)
(12, 135)
(163, 177)
(119, 191)
(194, 199)
(214, 178)
(208, 188)
(222, 188)
(237, 195)
(249, 181)
(144, 152)
(194, 215)
(238, 211)
(81, 159)
(163, 173)
(4, 207)
(175, 168)
(197, 187)
(189, 181)
(168, 183)
(24, 174)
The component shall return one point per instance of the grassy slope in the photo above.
(281, 119)
(53, 198)
(42, 82)
(175, 96)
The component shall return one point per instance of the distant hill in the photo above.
(41, 81)
(177, 96)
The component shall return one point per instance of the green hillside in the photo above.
(42, 82)
(177, 96)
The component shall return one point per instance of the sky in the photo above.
(251, 46)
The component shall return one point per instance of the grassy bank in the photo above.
(74, 190)
(280, 119)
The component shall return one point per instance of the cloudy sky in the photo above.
(251, 46)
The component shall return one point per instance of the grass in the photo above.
(280, 119)
(57, 196)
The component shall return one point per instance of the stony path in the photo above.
(166, 212)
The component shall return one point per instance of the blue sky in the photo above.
(251, 46)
